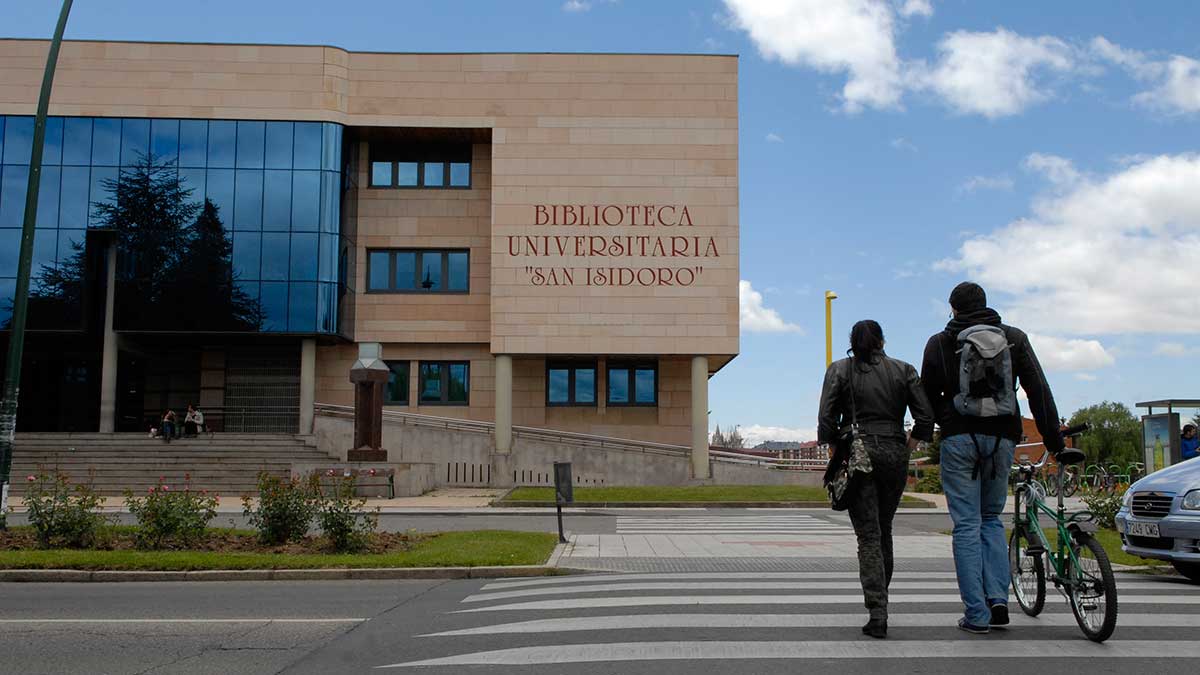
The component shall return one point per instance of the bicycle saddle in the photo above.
(1070, 456)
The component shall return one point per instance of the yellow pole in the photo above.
(830, 296)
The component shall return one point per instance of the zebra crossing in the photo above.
(749, 523)
(717, 621)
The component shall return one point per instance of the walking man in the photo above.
(970, 372)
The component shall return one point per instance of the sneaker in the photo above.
(963, 624)
(999, 615)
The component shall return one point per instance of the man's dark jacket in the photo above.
(939, 375)
(883, 389)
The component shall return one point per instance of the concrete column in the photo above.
(504, 386)
(700, 417)
(308, 383)
(108, 360)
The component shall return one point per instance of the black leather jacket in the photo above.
(883, 389)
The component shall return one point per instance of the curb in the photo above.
(332, 574)
(680, 505)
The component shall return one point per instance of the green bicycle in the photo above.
(1079, 566)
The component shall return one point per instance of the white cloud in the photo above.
(774, 138)
(976, 183)
(902, 143)
(1086, 377)
(917, 8)
(1104, 255)
(1056, 353)
(1058, 170)
(993, 74)
(757, 433)
(1175, 349)
(1174, 81)
(856, 37)
(757, 318)
(576, 6)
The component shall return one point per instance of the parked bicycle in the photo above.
(1078, 565)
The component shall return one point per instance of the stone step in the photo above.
(154, 442)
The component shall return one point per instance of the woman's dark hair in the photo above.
(866, 338)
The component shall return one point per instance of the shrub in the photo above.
(170, 516)
(930, 481)
(285, 508)
(62, 513)
(1104, 507)
(341, 516)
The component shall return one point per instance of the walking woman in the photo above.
(875, 390)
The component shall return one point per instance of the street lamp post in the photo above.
(830, 296)
(16, 340)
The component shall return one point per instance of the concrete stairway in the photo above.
(225, 463)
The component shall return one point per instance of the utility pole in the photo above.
(830, 296)
(16, 340)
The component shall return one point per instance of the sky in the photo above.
(888, 150)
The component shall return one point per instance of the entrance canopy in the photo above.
(1171, 404)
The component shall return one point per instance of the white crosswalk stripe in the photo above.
(717, 524)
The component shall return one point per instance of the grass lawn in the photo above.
(695, 493)
(1110, 540)
(449, 549)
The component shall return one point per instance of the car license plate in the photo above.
(1141, 529)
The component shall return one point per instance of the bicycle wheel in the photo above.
(1093, 589)
(1051, 483)
(1028, 573)
(1070, 484)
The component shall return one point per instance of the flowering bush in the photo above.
(62, 513)
(167, 516)
(285, 508)
(341, 516)
(930, 481)
(1104, 507)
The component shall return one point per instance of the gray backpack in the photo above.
(985, 373)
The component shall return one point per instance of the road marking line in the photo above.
(334, 620)
(1166, 585)
(760, 621)
(843, 649)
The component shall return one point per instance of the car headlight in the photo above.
(1191, 501)
(1127, 500)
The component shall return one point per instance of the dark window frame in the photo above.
(421, 157)
(407, 381)
(417, 267)
(632, 366)
(445, 382)
(571, 366)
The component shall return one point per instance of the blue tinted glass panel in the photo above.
(77, 141)
(406, 174)
(406, 271)
(331, 147)
(14, 182)
(327, 308)
(194, 180)
(2, 118)
(277, 201)
(106, 142)
(377, 266)
(135, 141)
(585, 385)
(557, 385)
(70, 243)
(306, 200)
(435, 174)
(459, 384)
(307, 146)
(460, 174)
(431, 271)
(164, 140)
(644, 385)
(246, 251)
(327, 269)
(431, 382)
(73, 200)
(248, 200)
(45, 250)
(18, 140)
(47, 215)
(618, 385)
(8, 291)
(248, 291)
(304, 257)
(219, 190)
(250, 139)
(100, 193)
(52, 152)
(193, 143)
(330, 204)
(460, 272)
(10, 249)
(381, 174)
(222, 143)
(274, 306)
(279, 145)
(397, 384)
(302, 308)
(275, 256)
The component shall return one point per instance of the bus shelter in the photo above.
(1160, 431)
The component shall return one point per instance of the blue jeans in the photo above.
(976, 504)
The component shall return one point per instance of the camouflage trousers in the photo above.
(872, 511)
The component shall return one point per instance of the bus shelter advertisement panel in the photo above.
(1160, 435)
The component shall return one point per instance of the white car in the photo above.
(1160, 517)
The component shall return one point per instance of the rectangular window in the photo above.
(633, 384)
(396, 391)
(418, 271)
(434, 167)
(570, 383)
(407, 174)
(435, 174)
(444, 382)
(381, 174)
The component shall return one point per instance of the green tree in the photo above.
(1115, 436)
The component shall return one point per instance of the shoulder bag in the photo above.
(850, 462)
